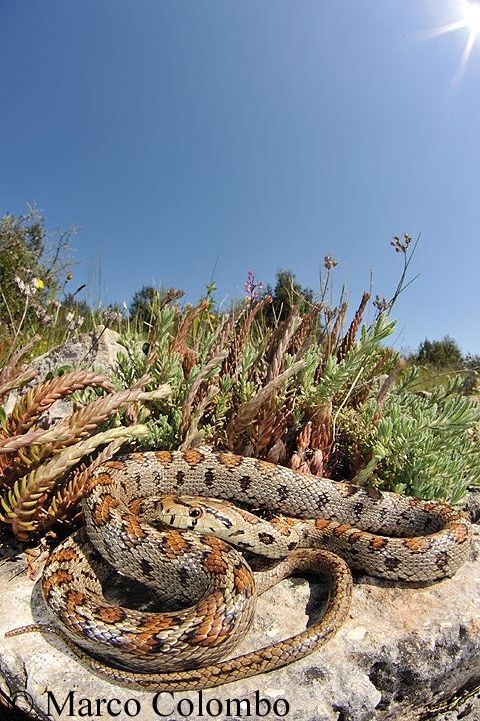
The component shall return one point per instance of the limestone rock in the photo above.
(95, 351)
(404, 654)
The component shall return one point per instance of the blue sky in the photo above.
(186, 137)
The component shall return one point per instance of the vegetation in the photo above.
(282, 376)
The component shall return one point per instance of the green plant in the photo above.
(41, 480)
(423, 445)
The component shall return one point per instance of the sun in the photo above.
(468, 21)
(471, 15)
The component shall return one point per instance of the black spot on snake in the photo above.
(358, 508)
(282, 492)
(209, 478)
(245, 482)
(266, 538)
(180, 477)
(147, 567)
(322, 500)
(441, 560)
(391, 562)
(184, 574)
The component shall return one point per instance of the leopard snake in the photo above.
(148, 534)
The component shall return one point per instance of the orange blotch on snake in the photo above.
(110, 614)
(74, 599)
(418, 544)
(460, 532)
(63, 554)
(102, 479)
(378, 542)
(243, 581)
(229, 460)
(55, 579)
(164, 456)
(135, 506)
(101, 509)
(133, 528)
(193, 457)
(341, 529)
(213, 562)
(117, 465)
(174, 544)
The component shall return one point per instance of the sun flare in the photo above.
(471, 15)
(468, 21)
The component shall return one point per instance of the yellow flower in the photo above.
(38, 283)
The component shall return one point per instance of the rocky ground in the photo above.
(406, 654)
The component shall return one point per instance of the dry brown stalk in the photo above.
(282, 343)
(19, 380)
(322, 429)
(207, 370)
(83, 421)
(189, 361)
(39, 398)
(305, 331)
(179, 343)
(240, 339)
(192, 434)
(249, 410)
(20, 503)
(270, 426)
(170, 296)
(11, 369)
(278, 453)
(222, 334)
(349, 338)
(333, 335)
(382, 395)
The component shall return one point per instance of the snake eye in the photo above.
(195, 513)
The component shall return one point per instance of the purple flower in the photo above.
(252, 287)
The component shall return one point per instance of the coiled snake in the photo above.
(382, 534)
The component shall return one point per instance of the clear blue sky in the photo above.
(183, 136)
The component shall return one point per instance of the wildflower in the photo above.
(26, 289)
(43, 316)
(399, 245)
(20, 284)
(381, 304)
(111, 315)
(56, 303)
(69, 276)
(252, 287)
(329, 262)
(38, 283)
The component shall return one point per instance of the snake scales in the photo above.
(383, 534)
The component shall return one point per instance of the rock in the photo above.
(404, 654)
(95, 351)
(473, 504)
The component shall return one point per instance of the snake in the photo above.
(192, 524)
